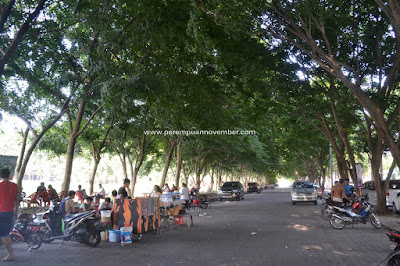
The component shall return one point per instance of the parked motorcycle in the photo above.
(326, 206)
(361, 212)
(84, 227)
(394, 256)
(197, 200)
(26, 231)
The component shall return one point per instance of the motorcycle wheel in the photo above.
(94, 239)
(34, 241)
(47, 236)
(395, 260)
(326, 213)
(375, 221)
(337, 223)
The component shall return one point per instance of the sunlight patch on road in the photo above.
(295, 215)
(314, 247)
(340, 253)
(299, 227)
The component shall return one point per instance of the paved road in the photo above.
(263, 229)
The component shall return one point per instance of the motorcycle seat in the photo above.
(74, 216)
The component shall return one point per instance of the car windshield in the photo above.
(231, 184)
(299, 185)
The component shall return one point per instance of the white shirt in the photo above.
(184, 193)
(103, 192)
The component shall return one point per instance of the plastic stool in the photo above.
(178, 220)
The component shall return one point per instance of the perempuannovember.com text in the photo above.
(200, 132)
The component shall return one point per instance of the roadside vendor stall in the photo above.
(142, 214)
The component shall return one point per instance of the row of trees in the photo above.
(96, 75)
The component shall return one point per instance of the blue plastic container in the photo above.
(114, 235)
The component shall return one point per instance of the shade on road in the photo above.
(263, 229)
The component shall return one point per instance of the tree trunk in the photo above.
(178, 164)
(131, 170)
(138, 162)
(96, 162)
(97, 155)
(167, 163)
(36, 140)
(376, 161)
(25, 161)
(73, 136)
(22, 151)
(212, 178)
(343, 134)
(198, 173)
(69, 162)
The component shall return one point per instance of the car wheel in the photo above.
(293, 203)
(315, 202)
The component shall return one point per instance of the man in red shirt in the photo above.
(9, 203)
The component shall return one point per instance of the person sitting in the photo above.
(41, 188)
(195, 189)
(87, 205)
(166, 188)
(106, 205)
(52, 192)
(83, 191)
(174, 188)
(100, 194)
(69, 203)
(156, 192)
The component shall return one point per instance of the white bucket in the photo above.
(114, 235)
(126, 235)
(105, 216)
(104, 235)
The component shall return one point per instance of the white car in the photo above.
(392, 195)
(303, 191)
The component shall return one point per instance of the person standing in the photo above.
(9, 203)
(122, 191)
(348, 188)
(185, 194)
(338, 192)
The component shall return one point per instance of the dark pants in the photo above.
(6, 223)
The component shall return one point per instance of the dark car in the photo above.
(253, 187)
(231, 190)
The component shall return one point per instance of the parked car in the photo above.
(303, 191)
(369, 187)
(392, 195)
(231, 190)
(319, 191)
(253, 187)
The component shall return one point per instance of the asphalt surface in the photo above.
(263, 229)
